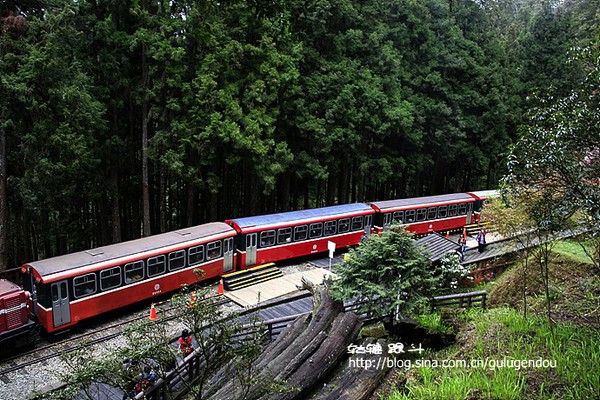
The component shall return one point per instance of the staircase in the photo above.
(473, 229)
(248, 277)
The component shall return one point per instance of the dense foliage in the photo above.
(557, 156)
(388, 275)
(120, 119)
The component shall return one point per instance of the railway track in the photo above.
(41, 368)
(74, 342)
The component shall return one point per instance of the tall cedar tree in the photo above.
(255, 107)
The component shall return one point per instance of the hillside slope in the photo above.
(500, 354)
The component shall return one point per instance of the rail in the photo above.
(461, 300)
(176, 383)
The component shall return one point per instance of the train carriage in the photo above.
(73, 287)
(427, 214)
(281, 236)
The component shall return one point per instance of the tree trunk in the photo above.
(191, 204)
(115, 206)
(145, 122)
(3, 197)
(331, 188)
(162, 206)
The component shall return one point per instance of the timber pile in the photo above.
(307, 351)
(359, 377)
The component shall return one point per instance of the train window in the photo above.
(432, 213)
(442, 211)
(176, 260)
(409, 215)
(329, 228)
(213, 250)
(300, 233)
(267, 238)
(387, 219)
(195, 255)
(357, 223)
(344, 225)
(156, 265)
(84, 285)
(452, 210)
(54, 292)
(284, 235)
(316, 230)
(134, 271)
(110, 278)
(462, 209)
(399, 216)
(421, 214)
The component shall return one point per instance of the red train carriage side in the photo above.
(73, 287)
(427, 214)
(281, 236)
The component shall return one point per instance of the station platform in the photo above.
(252, 295)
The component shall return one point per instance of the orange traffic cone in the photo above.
(193, 299)
(447, 234)
(220, 289)
(153, 316)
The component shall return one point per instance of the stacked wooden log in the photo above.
(358, 377)
(309, 349)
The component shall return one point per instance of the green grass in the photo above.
(502, 335)
(433, 322)
(572, 249)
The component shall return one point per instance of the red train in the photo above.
(69, 288)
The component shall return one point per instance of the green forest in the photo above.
(121, 119)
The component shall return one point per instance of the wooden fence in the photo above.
(177, 382)
(461, 300)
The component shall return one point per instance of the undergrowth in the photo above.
(501, 354)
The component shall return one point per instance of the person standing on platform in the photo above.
(481, 240)
(462, 240)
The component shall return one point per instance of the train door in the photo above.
(227, 254)
(469, 213)
(251, 249)
(368, 224)
(61, 311)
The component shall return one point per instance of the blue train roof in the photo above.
(301, 215)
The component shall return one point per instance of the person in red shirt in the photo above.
(185, 343)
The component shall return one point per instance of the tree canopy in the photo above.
(558, 153)
(122, 119)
